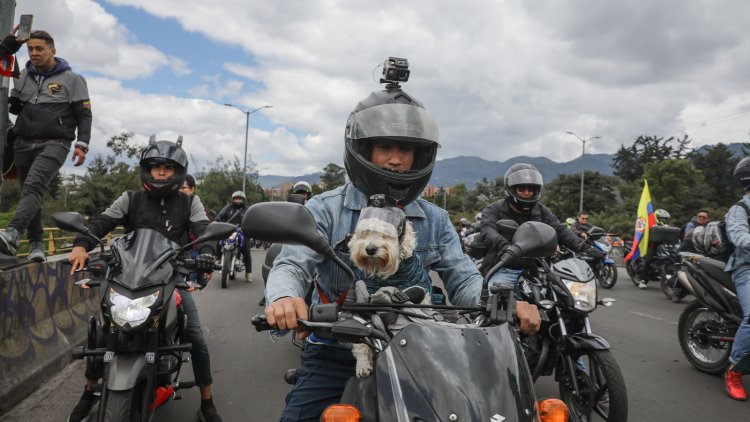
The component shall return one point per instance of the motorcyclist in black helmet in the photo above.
(523, 188)
(232, 213)
(303, 188)
(159, 206)
(391, 143)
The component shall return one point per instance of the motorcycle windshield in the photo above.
(143, 257)
(432, 372)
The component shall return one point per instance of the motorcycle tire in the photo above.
(123, 406)
(233, 267)
(603, 392)
(226, 267)
(607, 276)
(633, 270)
(711, 357)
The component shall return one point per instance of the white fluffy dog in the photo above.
(382, 239)
(376, 249)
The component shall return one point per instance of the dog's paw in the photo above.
(364, 368)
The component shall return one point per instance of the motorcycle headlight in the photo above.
(132, 312)
(584, 294)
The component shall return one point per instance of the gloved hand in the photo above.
(204, 263)
(10, 45)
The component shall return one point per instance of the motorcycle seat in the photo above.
(715, 269)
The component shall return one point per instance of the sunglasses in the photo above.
(703, 217)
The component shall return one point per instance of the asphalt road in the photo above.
(248, 366)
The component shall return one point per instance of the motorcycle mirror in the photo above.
(70, 221)
(535, 240)
(215, 231)
(595, 233)
(284, 222)
(507, 227)
(73, 222)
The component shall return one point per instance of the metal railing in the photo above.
(59, 241)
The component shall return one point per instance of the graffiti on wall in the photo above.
(40, 307)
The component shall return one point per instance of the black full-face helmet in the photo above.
(394, 116)
(742, 173)
(167, 153)
(523, 175)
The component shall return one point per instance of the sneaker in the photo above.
(733, 383)
(249, 277)
(9, 241)
(642, 285)
(262, 301)
(81, 412)
(209, 414)
(36, 252)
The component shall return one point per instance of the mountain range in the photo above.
(469, 170)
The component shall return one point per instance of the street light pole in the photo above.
(247, 129)
(583, 166)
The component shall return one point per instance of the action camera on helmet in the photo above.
(395, 70)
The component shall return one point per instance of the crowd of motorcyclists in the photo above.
(391, 163)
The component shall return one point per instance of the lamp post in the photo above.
(247, 129)
(583, 167)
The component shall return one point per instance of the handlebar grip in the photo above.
(260, 323)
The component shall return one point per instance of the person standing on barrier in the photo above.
(52, 104)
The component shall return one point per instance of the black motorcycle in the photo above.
(564, 289)
(456, 364)
(662, 262)
(139, 340)
(708, 325)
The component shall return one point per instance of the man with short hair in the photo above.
(686, 231)
(52, 103)
(581, 226)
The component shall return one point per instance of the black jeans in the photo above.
(37, 164)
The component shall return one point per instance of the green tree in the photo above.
(717, 165)
(333, 176)
(223, 177)
(675, 186)
(601, 194)
(629, 162)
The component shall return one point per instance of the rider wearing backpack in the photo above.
(738, 232)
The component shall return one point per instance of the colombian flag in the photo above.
(643, 224)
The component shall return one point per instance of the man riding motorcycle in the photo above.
(303, 188)
(523, 186)
(232, 213)
(395, 160)
(160, 206)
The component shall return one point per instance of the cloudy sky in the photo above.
(504, 78)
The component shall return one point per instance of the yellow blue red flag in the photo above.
(646, 219)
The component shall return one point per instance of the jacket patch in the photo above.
(55, 88)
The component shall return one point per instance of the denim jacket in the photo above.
(738, 232)
(336, 213)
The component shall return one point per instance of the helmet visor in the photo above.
(395, 121)
(525, 177)
(387, 221)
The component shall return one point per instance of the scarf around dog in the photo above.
(409, 273)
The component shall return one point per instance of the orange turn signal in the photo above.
(553, 410)
(341, 413)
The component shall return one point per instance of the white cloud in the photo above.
(503, 78)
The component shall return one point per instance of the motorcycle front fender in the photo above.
(125, 371)
(608, 261)
(585, 341)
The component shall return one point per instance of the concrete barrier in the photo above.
(42, 316)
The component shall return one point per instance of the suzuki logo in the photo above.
(497, 418)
